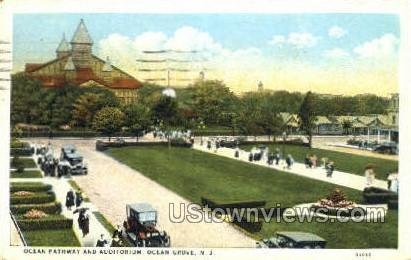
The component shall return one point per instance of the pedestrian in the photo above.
(277, 157)
(307, 161)
(329, 168)
(116, 242)
(289, 161)
(69, 199)
(208, 144)
(250, 157)
(101, 242)
(369, 174)
(79, 199)
(86, 225)
(237, 152)
(118, 232)
(314, 161)
(393, 182)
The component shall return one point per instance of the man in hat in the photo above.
(70, 199)
(101, 242)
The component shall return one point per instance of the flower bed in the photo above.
(23, 193)
(49, 208)
(35, 214)
(36, 198)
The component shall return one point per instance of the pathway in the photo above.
(340, 178)
(60, 188)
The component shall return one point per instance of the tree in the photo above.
(85, 108)
(307, 116)
(346, 125)
(137, 118)
(166, 110)
(108, 121)
(210, 100)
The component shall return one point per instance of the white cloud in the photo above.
(385, 46)
(298, 40)
(222, 62)
(336, 53)
(336, 32)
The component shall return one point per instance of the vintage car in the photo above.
(293, 240)
(71, 162)
(386, 148)
(140, 226)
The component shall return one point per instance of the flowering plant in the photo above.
(34, 213)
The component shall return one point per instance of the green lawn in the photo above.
(109, 227)
(26, 174)
(27, 162)
(194, 174)
(58, 237)
(343, 161)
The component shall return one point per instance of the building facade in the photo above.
(75, 64)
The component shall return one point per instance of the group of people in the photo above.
(311, 161)
(263, 153)
(116, 240)
(73, 199)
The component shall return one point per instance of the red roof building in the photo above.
(76, 65)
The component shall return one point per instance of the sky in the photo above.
(326, 53)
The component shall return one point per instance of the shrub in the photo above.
(49, 222)
(26, 174)
(21, 151)
(49, 208)
(29, 186)
(37, 198)
(25, 162)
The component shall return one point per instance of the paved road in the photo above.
(111, 185)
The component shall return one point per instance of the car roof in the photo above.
(141, 207)
(74, 155)
(301, 236)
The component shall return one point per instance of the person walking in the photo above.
(118, 232)
(101, 242)
(329, 168)
(86, 225)
(369, 175)
(70, 199)
(289, 161)
(79, 199)
(277, 157)
(116, 242)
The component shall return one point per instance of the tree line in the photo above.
(208, 103)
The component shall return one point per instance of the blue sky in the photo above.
(37, 35)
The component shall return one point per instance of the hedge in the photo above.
(18, 144)
(27, 162)
(242, 204)
(21, 151)
(26, 174)
(102, 146)
(50, 222)
(36, 198)
(29, 186)
(49, 208)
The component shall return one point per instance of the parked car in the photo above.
(293, 240)
(141, 228)
(71, 162)
(386, 148)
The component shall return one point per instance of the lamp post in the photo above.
(284, 139)
(201, 126)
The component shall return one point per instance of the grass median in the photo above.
(346, 162)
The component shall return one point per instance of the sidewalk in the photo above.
(340, 178)
(60, 188)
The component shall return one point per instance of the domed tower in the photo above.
(81, 45)
(63, 49)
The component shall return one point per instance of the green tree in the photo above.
(307, 116)
(166, 110)
(137, 118)
(210, 100)
(108, 121)
(346, 125)
(85, 108)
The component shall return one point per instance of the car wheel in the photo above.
(318, 247)
(307, 247)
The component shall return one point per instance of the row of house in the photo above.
(339, 125)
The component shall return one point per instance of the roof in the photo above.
(73, 155)
(320, 120)
(107, 65)
(69, 64)
(63, 46)
(141, 207)
(68, 147)
(32, 66)
(301, 236)
(81, 35)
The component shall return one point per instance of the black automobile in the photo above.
(386, 148)
(293, 240)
